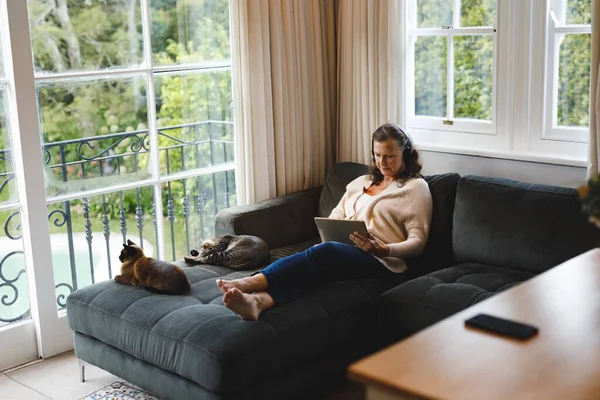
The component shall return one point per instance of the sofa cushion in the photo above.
(196, 337)
(285, 251)
(518, 225)
(282, 221)
(334, 187)
(421, 302)
(438, 252)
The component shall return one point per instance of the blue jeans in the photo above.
(290, 277)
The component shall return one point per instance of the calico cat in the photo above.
(153, 275)
(237, 252)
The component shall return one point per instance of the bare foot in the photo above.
(241, 284)
(246, 305)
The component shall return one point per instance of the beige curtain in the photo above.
(594, 142)
(370, 41)
(284, 94)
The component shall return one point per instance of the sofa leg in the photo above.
(82, 365)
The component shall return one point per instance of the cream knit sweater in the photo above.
(400, 216)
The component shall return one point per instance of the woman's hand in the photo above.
(370, 244)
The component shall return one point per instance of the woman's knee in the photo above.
(329, 250)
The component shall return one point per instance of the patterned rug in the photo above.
(119, 390)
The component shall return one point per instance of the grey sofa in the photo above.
(486, 236)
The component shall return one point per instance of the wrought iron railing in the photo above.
(111, 172)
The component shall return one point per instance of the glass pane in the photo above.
(85, 35)
(579, 12)
(194, 120)
(434, 13)
(14, 293)
(430, 76)
(94, 133)
(190, 207)
(473, 60)
(574, 81)
(8, 187)
(186, 31)
(87, 236)
(478, 13)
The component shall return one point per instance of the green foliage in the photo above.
(478, 13)
(574, 80)
(579, 12)
(430, 76)
(434, 13)
(574, 68)
(473, 77)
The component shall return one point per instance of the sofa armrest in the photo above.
(281, 221)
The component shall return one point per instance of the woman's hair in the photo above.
(411, 166)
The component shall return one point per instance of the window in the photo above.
(125, 115)
(453, 64)
(499, 78)
(569, 46)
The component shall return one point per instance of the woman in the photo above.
(394, 201)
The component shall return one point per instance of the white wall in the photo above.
(533, 172)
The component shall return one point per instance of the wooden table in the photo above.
(451, 361)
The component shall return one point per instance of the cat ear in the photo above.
(130, 243)
(124, 245)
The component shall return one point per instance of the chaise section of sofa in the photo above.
(504, 232)
(192, 347)
(202, 345)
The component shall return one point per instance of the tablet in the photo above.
(339, 230)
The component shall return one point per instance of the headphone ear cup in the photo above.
(407, 154)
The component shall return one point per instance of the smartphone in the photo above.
(502, 326)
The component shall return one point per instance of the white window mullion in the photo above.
(27, 145)
(556, 40)
(456, 13)
(450, 65)
(450, 78)
(152, 128)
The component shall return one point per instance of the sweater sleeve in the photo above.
(338, 212)
(417, 225)
(413, 246)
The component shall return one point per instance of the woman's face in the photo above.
(388, 157)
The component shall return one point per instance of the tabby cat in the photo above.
(237, 252)
(153, 275)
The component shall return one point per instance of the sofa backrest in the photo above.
(438, 253)
(518, 225)
(334, 187)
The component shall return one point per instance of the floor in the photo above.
(57, 378)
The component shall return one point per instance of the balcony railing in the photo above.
(100, 193)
